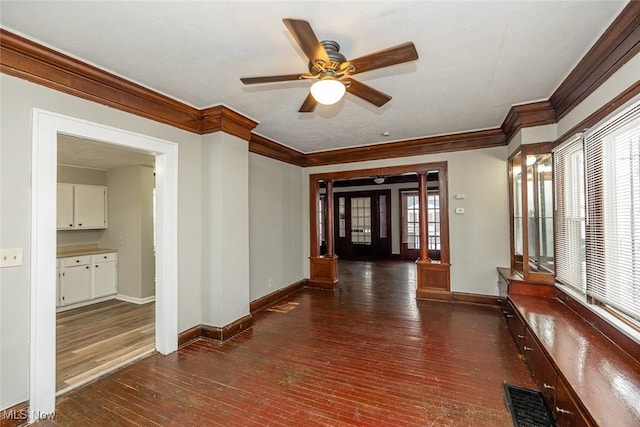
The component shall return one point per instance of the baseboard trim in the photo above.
(276, 296)
(217, 333)
(134, 300)
(84, 303)
(458, 297)
(15, 415)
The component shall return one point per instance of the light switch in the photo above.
(10, 257)
(460, 196)
(459, 210)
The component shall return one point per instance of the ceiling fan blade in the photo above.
(309, 104)
(394, 55)
(306, 39)
(270, 79)
(367, 93)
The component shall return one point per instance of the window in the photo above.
(361, 220)
(433, 221)
(411, 223)
(606, 249)
(382, 209)
(342, 224)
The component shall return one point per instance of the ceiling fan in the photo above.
(333, 71)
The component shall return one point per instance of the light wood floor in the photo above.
(92, 339)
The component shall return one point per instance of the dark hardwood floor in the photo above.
(365, 354)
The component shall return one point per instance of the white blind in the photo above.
(570, 214)
(612, 155)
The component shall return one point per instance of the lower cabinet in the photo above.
(87, 277)
(554, 389)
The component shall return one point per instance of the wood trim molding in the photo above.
(598, 115)
(266, 147)
(221, 118)
(527, 115)
(619, 43)
(276, 296)
(215, 332)
(15, 415)
(412, 147)
(26, 59)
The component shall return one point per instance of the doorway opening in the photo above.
(105, 290)
(351, 212)
(46, 128)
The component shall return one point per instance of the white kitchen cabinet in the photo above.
(85, 278)
(75, 283)
(64, 219)
(81, 207)
(105, 274)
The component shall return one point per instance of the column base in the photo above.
(324, 272)
(433, 279)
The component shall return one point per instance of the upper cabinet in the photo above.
(531, 210)
(81, 207)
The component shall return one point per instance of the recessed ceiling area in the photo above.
(476, 59)
(74, 151)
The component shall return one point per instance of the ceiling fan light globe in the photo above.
(328, 91)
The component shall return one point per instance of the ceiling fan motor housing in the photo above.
(336, 59)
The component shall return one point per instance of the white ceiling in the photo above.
(75, 151)
(476, 58)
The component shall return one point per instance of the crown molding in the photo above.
(618, 44)
(266, 147)
(221, 118)
(527, 115)
(26, 59)
(413, 147)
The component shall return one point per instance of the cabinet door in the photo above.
(566, 411)
(104, 278)
(76, 284)
(90, 206)
(64, 217)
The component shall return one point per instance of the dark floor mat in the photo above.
(528, 408)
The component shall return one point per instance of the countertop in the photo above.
(71, 251)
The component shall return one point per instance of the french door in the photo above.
(363, 224)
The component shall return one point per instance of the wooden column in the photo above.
(329, 224)
(323, 270)
(433, 276)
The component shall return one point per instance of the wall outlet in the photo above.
(10, 257)
(270, 283)
(459, 211)
(121, 240)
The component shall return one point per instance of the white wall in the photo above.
(130, 215)
(17, 98)
(479, 238)
(275, 225)
(225, 229)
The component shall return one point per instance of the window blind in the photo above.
(612, 156)
(570, 214)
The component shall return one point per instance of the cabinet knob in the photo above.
(70, 225)
(77, 260)
(97, 265)
(509, 316)
(521, 336)
(105, 257)
(562, 411)
(527, 348)
(87, 266)
(547, 386)
(80, 225)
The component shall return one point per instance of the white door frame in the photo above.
(46, 126)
